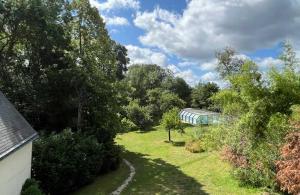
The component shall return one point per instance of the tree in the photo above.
(288, 56)
(169, 101)
(202, 93)
(122, 60)
(178, 86)
(59, 67)
(171, 121)
(228, 62)
(139, 115)
(143, 77)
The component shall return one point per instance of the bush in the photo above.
(194, 146)
(31, 187)
(288, 169)
(214, 137)
(197, 133)
(259, 169)
(127, 125)
(139, 115)
(63, 162)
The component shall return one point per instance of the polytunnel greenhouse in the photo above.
(199, 117)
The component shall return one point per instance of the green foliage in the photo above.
(139, 115)
(31, 187)
(157, 89)
(170, 101)
(128, 125)
(66, 161)
(214, 137)
(201, 95)
(171, 121)
(228, 63)
(143, 78)
(180, 87)
(198, 133)
(60, 69)
(260, 109)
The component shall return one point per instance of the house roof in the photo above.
(15, 131)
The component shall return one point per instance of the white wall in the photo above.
(14, 170)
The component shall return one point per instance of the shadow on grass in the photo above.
(157, 176)
(178, 144)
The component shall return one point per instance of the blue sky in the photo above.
(183, 35)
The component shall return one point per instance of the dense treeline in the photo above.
(61, 70)
(153, 91)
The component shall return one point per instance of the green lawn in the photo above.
(105, 184)
(163, 168)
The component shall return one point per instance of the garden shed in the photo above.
(199, 117)
(16, 136)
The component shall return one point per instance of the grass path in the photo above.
(107, 183)
(163, 168)
(127, 180)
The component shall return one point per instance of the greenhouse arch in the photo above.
(199, 117)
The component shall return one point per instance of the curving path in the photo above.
(127, 181)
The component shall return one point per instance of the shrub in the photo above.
(194, 146)
(214, 137)
(139, 115)
(65, 161)
(259, 169)
(31, 187)
(197, 133)
(236, 159)
(128, 125)
(288, 169)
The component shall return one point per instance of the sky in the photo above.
(184, 35)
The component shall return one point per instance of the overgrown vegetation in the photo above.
(260, 110)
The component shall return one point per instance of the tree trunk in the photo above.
(169, 135)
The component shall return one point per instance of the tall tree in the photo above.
(122, 60)
(202, 93)
(288, 56)
(228, 62)
(178, 86)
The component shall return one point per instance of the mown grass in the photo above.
(106, 183)
(165, 168)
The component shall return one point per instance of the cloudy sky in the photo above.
(183, 35)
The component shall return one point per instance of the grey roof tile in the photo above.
(15, 131)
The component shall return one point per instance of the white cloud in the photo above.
(116, 21)
(139, 55)
(209, 77)
(268, 62)
(116, 4)
(173, 68)
(209, 65)
(188, 76)
(187, 64)
(206, 26)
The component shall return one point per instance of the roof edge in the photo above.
(16, 147)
